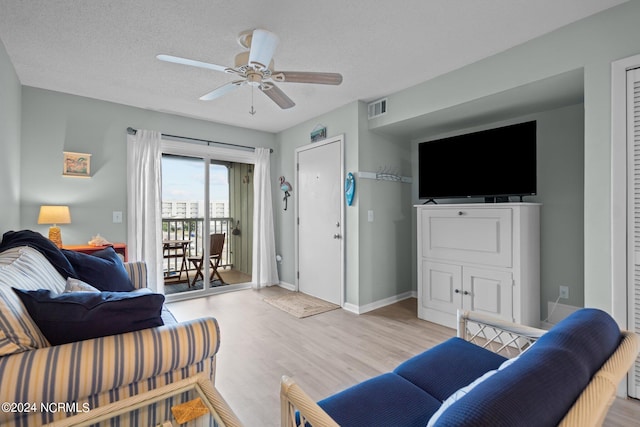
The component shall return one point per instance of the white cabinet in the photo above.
(481, 257)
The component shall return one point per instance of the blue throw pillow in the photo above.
(102, 269)
(77, 316)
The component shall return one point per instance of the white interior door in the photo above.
(633, 215)
(320, 243)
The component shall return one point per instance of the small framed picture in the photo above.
(318, 133)
(76, 164)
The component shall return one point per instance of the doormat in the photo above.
(300, 305)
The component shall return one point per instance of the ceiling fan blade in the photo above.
(278, 96)
(222, 90)
(191, 62)
(307, 77)
(263, 46)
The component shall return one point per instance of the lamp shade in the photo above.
(54, 215)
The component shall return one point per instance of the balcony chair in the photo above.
(216, 243)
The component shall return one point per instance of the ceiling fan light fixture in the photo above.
(254, 78)
(263, 46)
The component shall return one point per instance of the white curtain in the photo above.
(265, 270)
(144, 198)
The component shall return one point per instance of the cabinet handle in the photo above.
(466, 293)
(460, 213)
(457, 291)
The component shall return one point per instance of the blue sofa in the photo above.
(459, 383)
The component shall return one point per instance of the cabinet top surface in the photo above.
(85, 247)
(475, 205)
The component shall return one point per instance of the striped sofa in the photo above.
(95, 372)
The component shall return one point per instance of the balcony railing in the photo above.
(193, 229)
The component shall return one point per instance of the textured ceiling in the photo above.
(106, 49)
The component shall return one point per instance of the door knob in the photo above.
(336, 236)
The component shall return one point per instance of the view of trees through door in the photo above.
(202, 198)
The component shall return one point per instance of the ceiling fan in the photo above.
(255, 67)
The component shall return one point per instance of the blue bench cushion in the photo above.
(539, 388)
(386, 400)
(445, 368)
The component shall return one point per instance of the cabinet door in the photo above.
(440, 292)
(478, 236)
(488, 291)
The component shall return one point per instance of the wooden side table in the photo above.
(176, 249)
(120, 248)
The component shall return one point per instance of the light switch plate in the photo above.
(117, 217)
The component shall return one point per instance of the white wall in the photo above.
(54, 122)
(10, 116)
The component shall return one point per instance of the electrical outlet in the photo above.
(564, 292)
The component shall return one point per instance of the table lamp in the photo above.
(54, 215)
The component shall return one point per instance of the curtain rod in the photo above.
(132, 131)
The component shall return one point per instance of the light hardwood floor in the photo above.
(324, 353)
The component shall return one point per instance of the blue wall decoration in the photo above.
(349, 188)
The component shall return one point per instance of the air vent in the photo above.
(377, 108)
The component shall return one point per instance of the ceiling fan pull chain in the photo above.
(252, 111)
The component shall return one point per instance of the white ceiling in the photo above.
(106, 49)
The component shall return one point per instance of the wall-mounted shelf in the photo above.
(385, 176)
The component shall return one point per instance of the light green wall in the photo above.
(378, 253)
(343, 120)
(385, 260)
(10, 117)
(560, 190)
(591, 44)
(54, 122)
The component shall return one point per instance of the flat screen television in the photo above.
(494, 164)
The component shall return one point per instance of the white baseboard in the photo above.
(287, 286)
(361, 309)
(350, 307)
(365, 308)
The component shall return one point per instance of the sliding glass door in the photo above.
(207, 210)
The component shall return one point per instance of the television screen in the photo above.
(497, 162)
